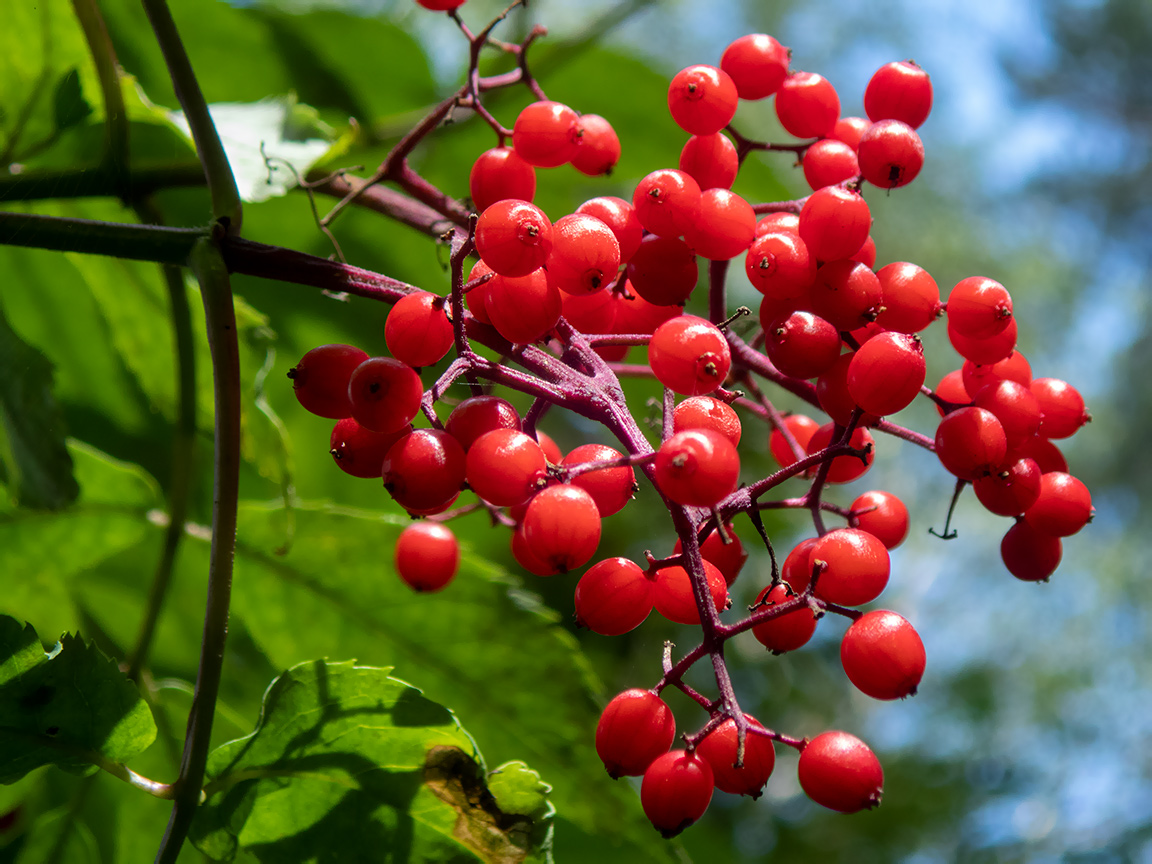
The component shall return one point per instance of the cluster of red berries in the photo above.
(615, 273)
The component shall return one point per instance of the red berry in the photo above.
(705, 412)
(417, 330)
(612, 597)
(610, 488)
(839, 771)
(663, 271)
(1014, 406)
(474, 298)
(505, 467)
(719, 750)
(858, 566)
(385, 394)
(634, 729)
(1062, 407)
(620, 217)
(802, 345)
(802, 429)
(697, 467)
(882, 515)
(597, 146)
(479, 414)
(424, 471)
(834, 223)
(970, 442)
(440, 5)
(551, 449)
(523, 308)
(1030, 555)
(785, 632)
(951, 389)
(526, 558)
(724, 226)
(359, 451)
(1012, 491)
(778, 265)
(911, 298)
(828, 162)
(783, 221)
(984, 351)
(676, 790)
(427, 556)
(979, 307)
(834, 396)
(585, 254)
(1014, 367)
(562, 527)
(589, 313)
(846, 294)
(673, 597)
(891, 154)
(513, 237)
(757, 64)
(545, 134)
(845, 468)
(497, 174)
(883, 656)
(320, 379)
(666, 202)
(702, 99)
(1063, 507)
(899, 91)
(728, 558)
(1046, 454)
(850, 130)
(886, 374)
(711, 160)
(807, 105)
(689, 355)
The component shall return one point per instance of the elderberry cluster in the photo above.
(563, 301)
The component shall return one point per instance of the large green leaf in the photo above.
(348, 763)
(72, 707)
(31, 427)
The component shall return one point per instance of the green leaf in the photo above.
(32, 426)
(346, 757)
(73, 707)
(68, 103)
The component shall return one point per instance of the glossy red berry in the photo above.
(1030, 555)
(505, 467)
(899, 91)
(359, 451)
(427, 556)
(635, 728)
(610, 488)
(440, 5)
(857, 569)
(910, 298)
(1014, 367)
(802, 345)
(1061, 405)
(424, 471)
(979, 307)
(667, 202)
(802, 428)
(883, 656)
(846, 294)
(890, 154)
(513, 237)
(782, 221)
(612, 597)
(475, 296)
(546, 134)
(523, 309)
(849, 467)
(1011, 491)
(850, 130)
(882, 515)
(497, 174)
(589, 313)
(970, 442)
(887, 372)
(585, 254)
(719, 750)
(1046, 454)
(417, 330)
(807, 105)
(689, 355)
(385, 394)
(984, 351)
(597, 146)
(320, 379)
(702, 99)
(728, 558)
(620, 217)
(1063, 507)
(705, 412)
(697, 467)
(676, 790)
(1014, 406)
(834, 223)
(673, 598)
(757, 64)
(711, 160)
(724, 226)
(479, 414)
(562, 527)
(663, 271)
(778, 265)
(828, 162)
(839, 771)
(834, 396)
(785, 632)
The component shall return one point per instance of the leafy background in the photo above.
(1027, 740)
